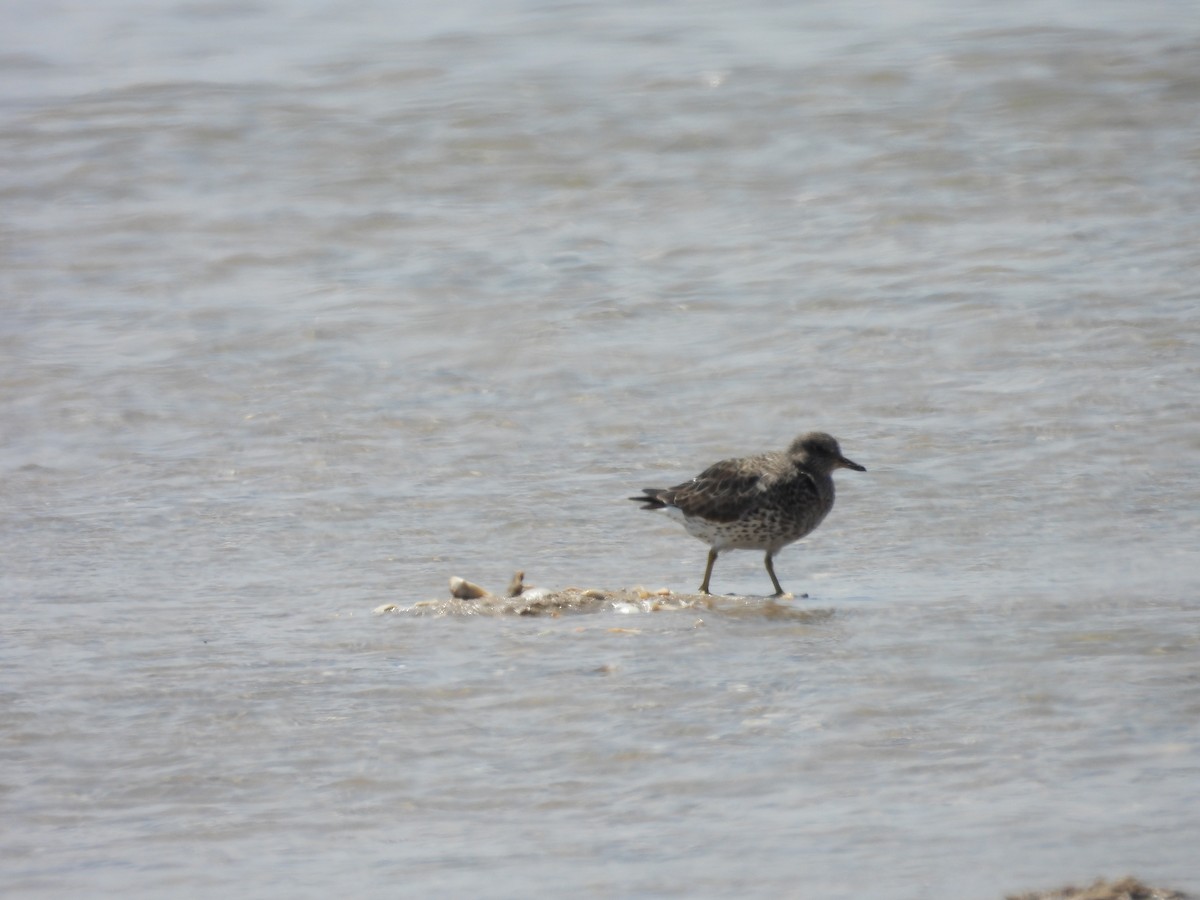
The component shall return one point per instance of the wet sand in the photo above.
(1123, 889)
(470, 599)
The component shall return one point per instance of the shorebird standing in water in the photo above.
(762, 502)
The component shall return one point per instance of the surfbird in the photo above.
(762, 502)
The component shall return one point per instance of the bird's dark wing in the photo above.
(723, 492)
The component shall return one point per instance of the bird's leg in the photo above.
(779, 591)
(712, 558)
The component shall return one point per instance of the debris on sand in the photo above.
(519, 599)
(1124, 889)
(516, 586)
(465, 590)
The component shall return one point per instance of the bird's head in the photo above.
(820, 451)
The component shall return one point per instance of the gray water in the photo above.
(309, 306)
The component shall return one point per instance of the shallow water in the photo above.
(308, 307)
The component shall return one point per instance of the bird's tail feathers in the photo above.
(652, 498)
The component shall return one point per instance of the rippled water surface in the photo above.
(308, 307)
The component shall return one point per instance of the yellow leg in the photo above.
(712, 558)
(779, 591)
